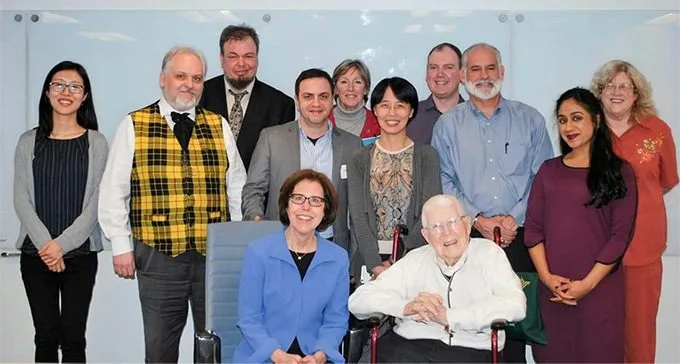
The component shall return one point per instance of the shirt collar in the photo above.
(499, 108)
(429, 104)
(328, 132)
(165, 109)
(450, 270)
(249, 88)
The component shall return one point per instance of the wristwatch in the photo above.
(474, 221)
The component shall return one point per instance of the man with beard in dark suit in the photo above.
(248, 104)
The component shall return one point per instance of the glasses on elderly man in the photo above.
(314, 201)
(451, 224)
(59, 87)
(623, 87)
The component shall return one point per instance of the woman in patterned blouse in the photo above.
(390, 180)
(646, 142)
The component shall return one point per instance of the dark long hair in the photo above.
(85, 117)
(605, 181)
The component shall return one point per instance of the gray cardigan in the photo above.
(86, 225)
(426, 183)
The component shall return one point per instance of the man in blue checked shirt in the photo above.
(490, 149)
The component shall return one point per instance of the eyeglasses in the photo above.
(59, 87)
(623, 87)
(314, 201)
(440, 227)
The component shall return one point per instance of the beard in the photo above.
(239, 83)
(182, 102)
(472, 89)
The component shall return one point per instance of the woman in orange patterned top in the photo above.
(646, 142)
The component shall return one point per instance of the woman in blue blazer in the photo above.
(295, 284)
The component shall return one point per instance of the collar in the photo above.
(279, 249)
(429, 104)
(249, 88)
(165, 110)
(304, 135)
(349, 113)
(451, 270)
(499, 108)
(646, 122)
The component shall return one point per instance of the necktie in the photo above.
(236, 113)
(184, 126)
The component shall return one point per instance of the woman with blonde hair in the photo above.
(646, 142)
(352, 82)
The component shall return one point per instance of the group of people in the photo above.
(590, 222)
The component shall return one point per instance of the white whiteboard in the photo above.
(545, 52)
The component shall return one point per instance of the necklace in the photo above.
(299, 257)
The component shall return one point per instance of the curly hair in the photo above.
(643, 106)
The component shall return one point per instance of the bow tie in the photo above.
(184, 126)
(180, 118)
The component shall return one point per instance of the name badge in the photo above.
(343, 171)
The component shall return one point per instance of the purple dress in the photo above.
(575, 238)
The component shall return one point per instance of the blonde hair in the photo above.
(643, 106)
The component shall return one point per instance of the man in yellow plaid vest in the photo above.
(173, 168)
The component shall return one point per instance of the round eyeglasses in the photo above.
(314, 201)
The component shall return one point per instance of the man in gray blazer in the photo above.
(309, 142)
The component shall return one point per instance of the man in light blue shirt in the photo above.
(309, 142)
(490, 149)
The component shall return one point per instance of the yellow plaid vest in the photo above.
(175, 194)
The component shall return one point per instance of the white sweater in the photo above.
(483, 288)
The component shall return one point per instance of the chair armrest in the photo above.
(207, 348)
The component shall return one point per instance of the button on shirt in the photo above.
(319, 157)
(489, 163)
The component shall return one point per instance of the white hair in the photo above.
(471, 48)
(441, 201)
(167, 59)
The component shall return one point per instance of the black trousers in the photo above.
(167, 286)
(393, 348)
(59, 324)
(518, 255)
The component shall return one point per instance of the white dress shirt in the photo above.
(114, 196)
(244, 100)
(483, 288)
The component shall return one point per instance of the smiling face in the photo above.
(483, 76)
(392, 114)
(305, 218)
(66, 92)
(618, 96)
(314, 100)
(576, 125)
(443, 73)
(182, 81)
(351, 89)
(448, 231)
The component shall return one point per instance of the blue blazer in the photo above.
(275, 306)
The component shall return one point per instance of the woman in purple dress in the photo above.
(580, 218)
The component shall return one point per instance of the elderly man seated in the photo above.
(444, 295)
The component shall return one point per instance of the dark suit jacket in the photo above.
(276, 157)
(267, 107)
